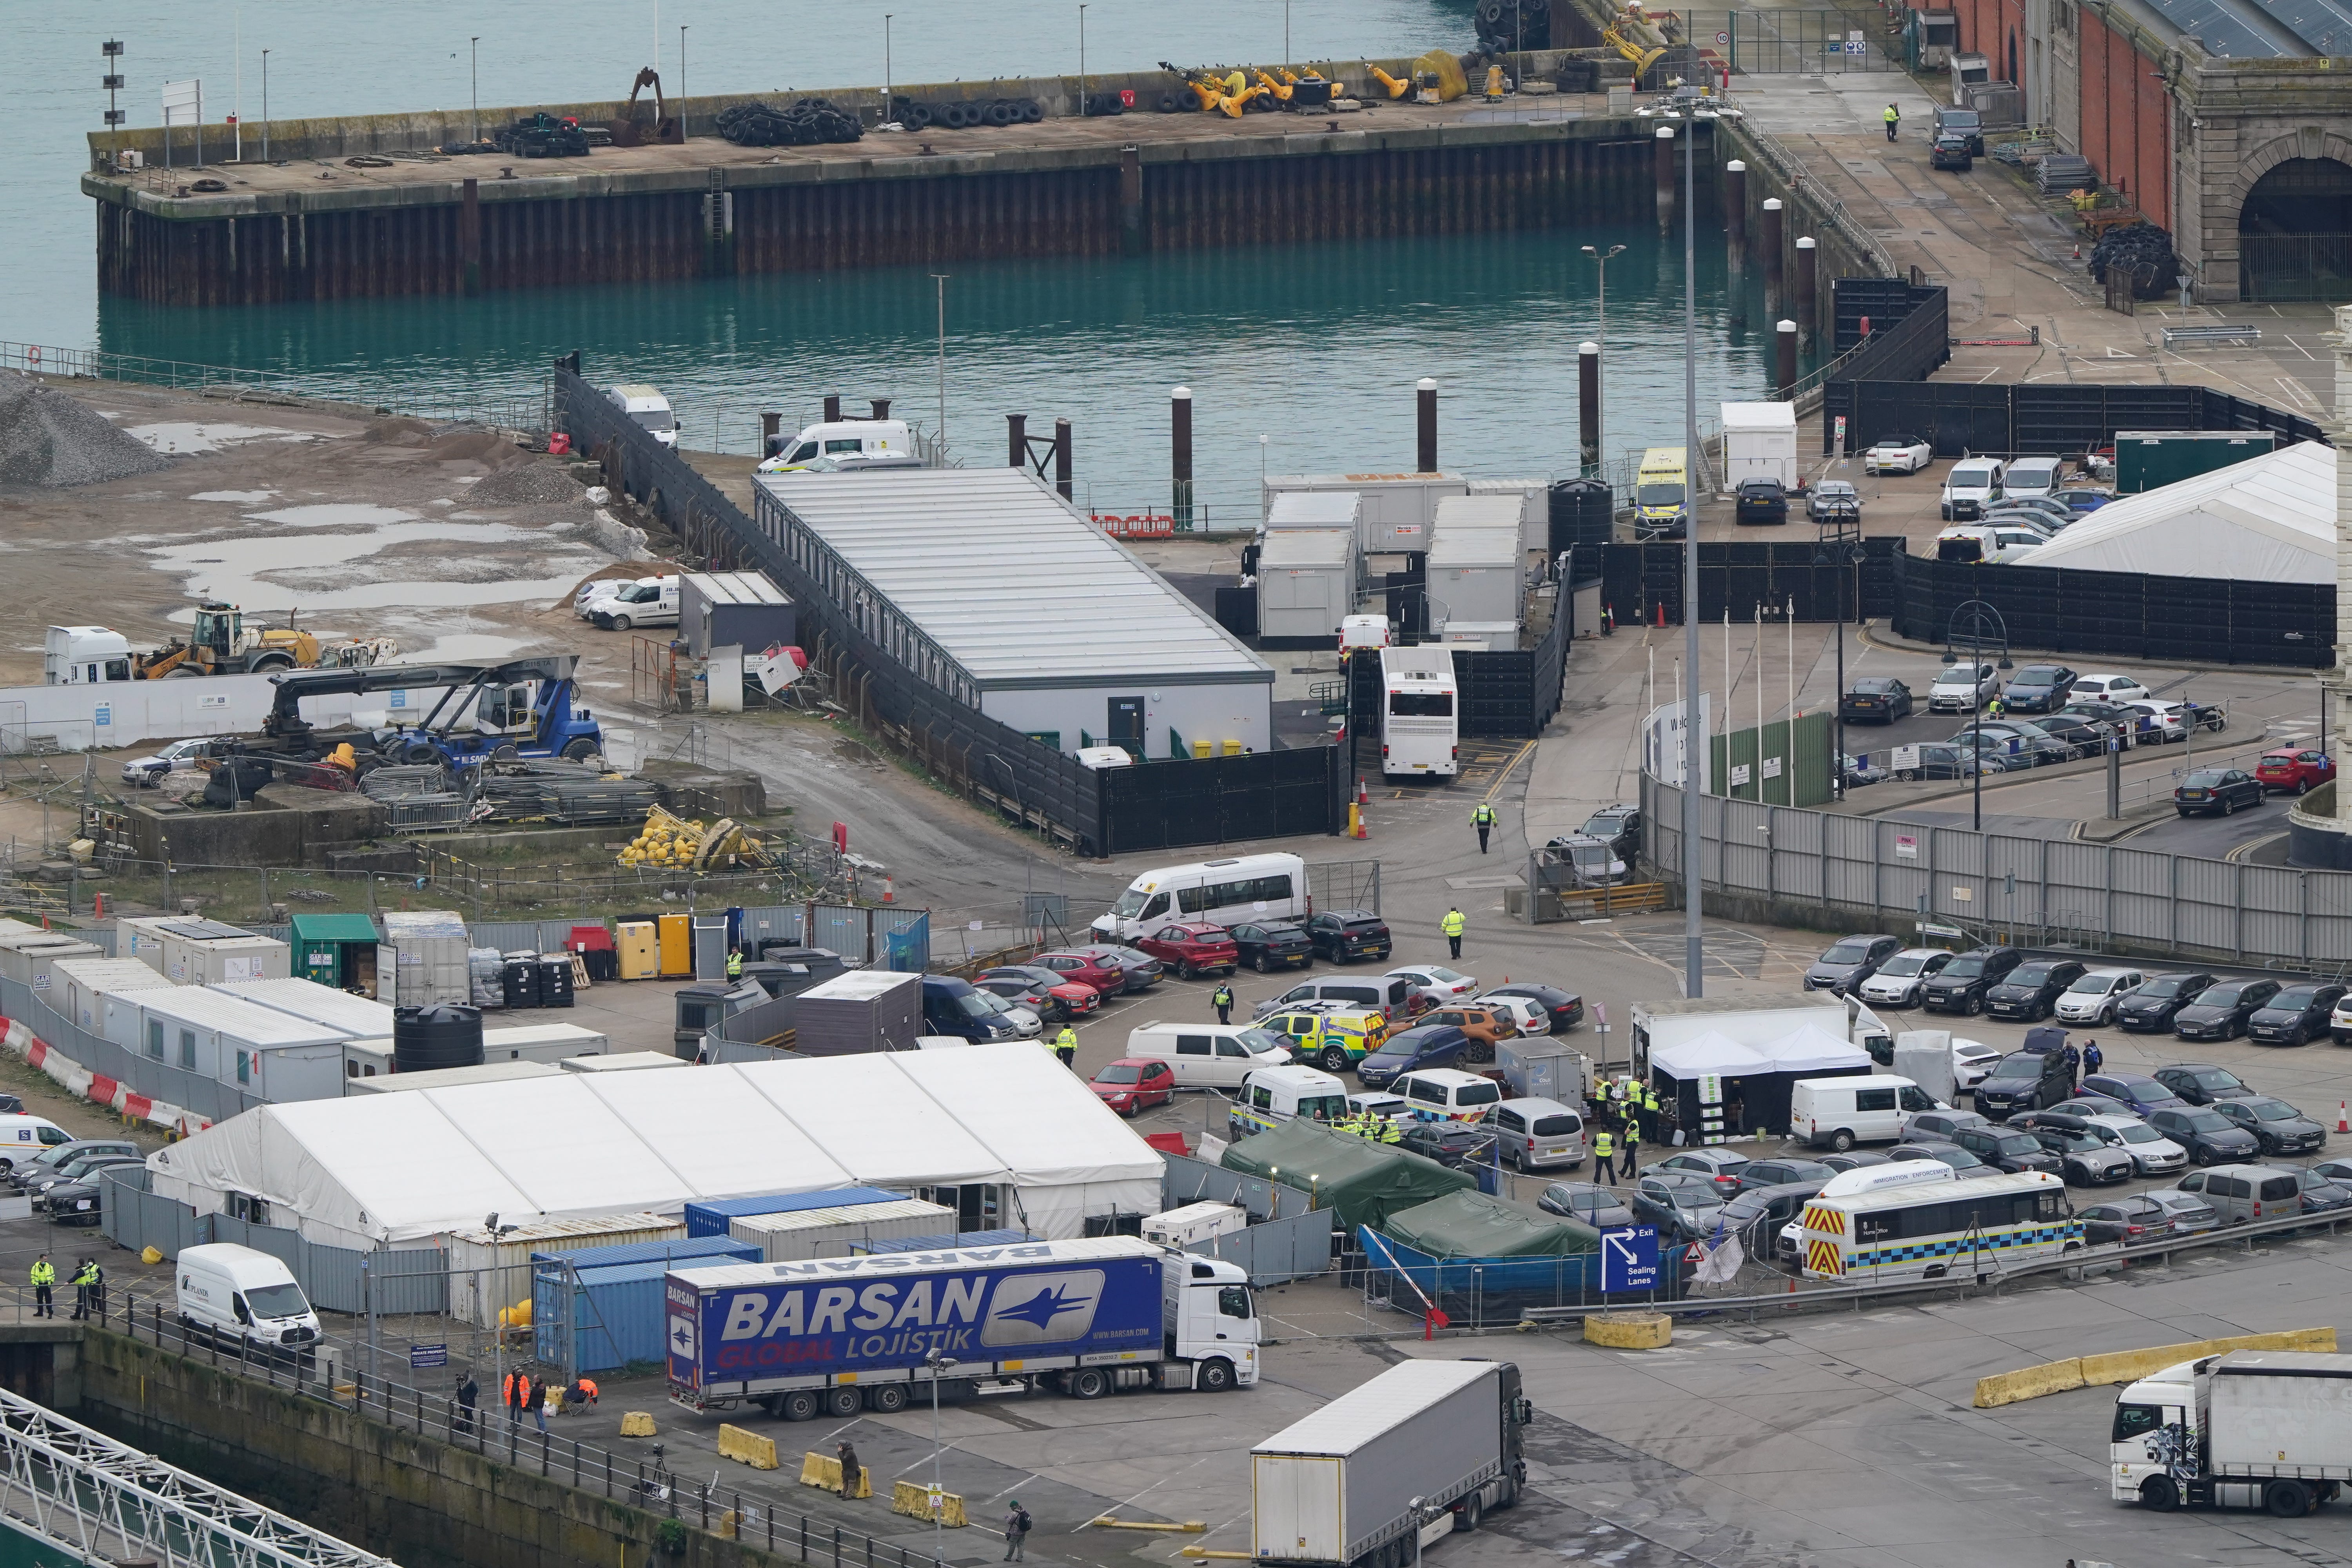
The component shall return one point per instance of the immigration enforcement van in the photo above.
(229, 1292)
(26, 1138)
(1839, 1112)
(1272, 1096)
(1217, 892)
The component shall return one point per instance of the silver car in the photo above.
(1957, 691)
(1833, 497)
(2152, 1153)
(1536, 1135)
(1595, 1205)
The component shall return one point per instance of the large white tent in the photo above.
(378, 1170)
(2270, 519)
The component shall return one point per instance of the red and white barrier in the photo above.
(96, 1087)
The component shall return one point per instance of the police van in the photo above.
(1272, 1096)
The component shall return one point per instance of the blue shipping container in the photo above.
(937, 1243)
(710, 1218)
(714, 1247)
(613, 1316)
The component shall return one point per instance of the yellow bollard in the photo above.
(638, 1424)
(747, 1447)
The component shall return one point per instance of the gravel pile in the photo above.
(54, 440)
(528, 484)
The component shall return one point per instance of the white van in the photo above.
(1448, 1094)
(1843, 1112)
(26, 1137)
(837, 444)
(1209, 1056)
(1272, 1096)
(647, 407)
(241, 1293)
(1241, 888)
(646, 603)
(1972, 485)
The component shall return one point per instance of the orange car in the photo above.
(1485, 1026)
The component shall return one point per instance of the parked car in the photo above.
(1832, 498)
(1450, 1144)
(2211, 791)
(1567, 1008)
(1277, 944)
(1961, 687)
(2133, 1220)
(2321, 1196)
(81, 1171)
(1086, 968)
(1681, 1205)
(2152, 1153)
(1962, 1162)
(2031, 991)
(1758, 1214)
(2339, 1022)
(2108, 687)
(1131, 1087)
(1410, 1050)
(1780, 1173)
(1937, 1126)
(1994, 541)
(2294, 769)
(2202, 1083)
(1897, 454)
(2022, 1080)
(1054, 1004)
(2013, 1149)
(2114, 719)
(1960, 985)
(1971, 1061)
(1323, 1034)
(1485, 1026)
(1972, 484)
(1428, 984)
(2082, 502)
(26, 1173)
(1966, 123)
(2277, 1126)
(1592, 862)
(2296, 1015)
(2087, 737)
(2047, 514)
(1595, 1205)
(1345, 935)
(1028, 1023)
(2085, 1159)
(179, 757)
(2017, 746)
(2221, 1012)
(2211, 1138)
(1949, 150)
(1193, 951)
(2238, 1192)
(2189, 1212)
(2038, 689)
(1947, 762)
(1618, 827)
(1719, 1166)
(2093, 997)
(1896, 983)
(1860, 769)
(1876, 697)
(1850, 961)
(2148, 1007)
(1534, 1133)
(1760, 502)
(1381, 993)
(2172, 721)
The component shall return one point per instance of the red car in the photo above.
(1085, 969)
(1193, 950)
(2290, 768)
(1129, 1086)
(1043, 992)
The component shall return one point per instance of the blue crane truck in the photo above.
(522, 708)
(835, 1335)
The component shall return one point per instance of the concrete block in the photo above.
(824, 1470)
(1630, 1330)
(750, 1448)
(2129, 1367)
(915, 1502)
(638, 1424)
(2028, 1383)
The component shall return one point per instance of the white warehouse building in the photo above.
(992, 588)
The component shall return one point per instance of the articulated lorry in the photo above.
(2270, 1429)
(1428, 1446)
(835, 1335)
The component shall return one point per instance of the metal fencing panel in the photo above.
(135, 1219)
(1276, 1250)
(506, 936)
(772, 922)
(1186, 1179)
(841, 928)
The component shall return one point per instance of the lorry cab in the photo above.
(84, 656)
(1211, 1319)
(647, 407)
(846, 444)
(1272, 1096)
(231, 1292)
(2159, 1403)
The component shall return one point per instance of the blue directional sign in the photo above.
(1628, 1258)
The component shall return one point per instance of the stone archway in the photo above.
(2293, 197)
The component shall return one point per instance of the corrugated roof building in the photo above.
(993, 588)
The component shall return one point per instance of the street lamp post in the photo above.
(474, 49)
(265, 106)
(1840, 547)
(1981, 621)
(1693, 938)
(937, 1364)
(1601, 260)
(1081, 60)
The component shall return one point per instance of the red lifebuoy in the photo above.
(33, 357)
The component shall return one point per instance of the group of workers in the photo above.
(1623, 1114)
(1371, 1126)
(88, 1282)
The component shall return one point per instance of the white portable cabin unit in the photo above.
(1397, 509)
(1185, 1228)
(550, 1043)
(81, 990)
(1534, 497)
(1307, 580)
(423, 959)
(1760, 442)
(1477, 568)
(141, 937)
(198, 953)
(623, 1061)
(252, 1049)
(1313, 509)
(447, 1077)
(26, 958)
(356, 1016)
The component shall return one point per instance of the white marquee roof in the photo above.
(2270, 519)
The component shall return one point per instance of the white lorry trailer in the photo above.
(2270, 1429)
(1430, 1445)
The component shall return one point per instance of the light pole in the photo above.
(1601, 258)
(681, 83)
(1082, 62)
(1416, 1505)
(1981, 621)
(886, 99)
(1840, 546)
(474, 45)
(1694, 938)
(942, 280)
(265, 106)
(937, 1364)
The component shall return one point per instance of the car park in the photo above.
(2296, 1015)
(2137, 1092)
(1108, 978)
(1595, 1205)
(2148, 1007)
(1949, 150)
(1527, 1016)
(1567, 1008)
(2210, 792)
(1947, 762)
(1681, 1205)
(1896, 981)
(1719, 1166)
(1760, 502)
(2017, 746)
(2038, 689)
(1132, 1086)
(2031, 991)
(1850, 961)
(1137, 971)
(1485, 1026)
(2277, 1126)
(1428, 984)
(26, 1173)
(2133, 1221)
(2210, 1137)
(2189, 1212)
(1898, 453)
(2013, 1149)
(2085, 1159)
(1413, 1050)
(2202, 1083)
(1535, 1134)
(1275, 945)
(2152, 1153)
(2093, 997)
(179, 757)
(1054, 1004)
(1961, 687)
(1962, 1162)
(1344, 936)
(1191, 950)
(1451, 1144)
(1961, 985)
(1971, 485)
(2294, 769)
(1833, 497)
(2242, 1193)
(2022, 1080)
(1938, 1125)
(2221, 1012)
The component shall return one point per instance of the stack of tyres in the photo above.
(520, 982)
(962, 114)
(555, 981)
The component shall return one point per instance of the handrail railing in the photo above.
(526, 411)
(1800, 183)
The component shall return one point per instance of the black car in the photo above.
(1960, 985)
(2210, 790)
(2023, 1080)
(1780, 1173)
(1761, 501)
(2085, 1159)
(2018, 746)
(2086, 738)
(1410, 1050)
(2279, 1127)
(2202, 1083)
(1966, 123)
(2038, 689)
(1939, 760)
(1566, 1008)
(1277, 945)
(2150, 1006)
(1618, 827)
(2113, 718)
(1878, 697)
(2211, 1138)
(2032, 989)
(2012, 1150)
(1850, 961)
(1681, 1203)
(2137, 1094)
(1950, 150)
(1952, 1154)
(2221, 1012)
(1451, 1144)
(1853, 1160)
(1344, 935)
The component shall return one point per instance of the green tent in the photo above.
(1364, 1182)
(1472, 1224)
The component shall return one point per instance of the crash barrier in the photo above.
(1962, 417)
(748, 1448)
(2129, 1367)
(1557, 897)
(2126, 614)
(915, 1502)
(1630, 1330)
(638, 1424)
(1644, 583)
(1785, 865)
(95, 1067)
(824, 1470)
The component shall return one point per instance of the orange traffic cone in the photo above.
(2341, 1124)
(890, 890)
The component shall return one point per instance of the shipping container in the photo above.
(488, 1272)
(883, 1245)
(80, 988)
(681, 1250)
(794, 1236)
(862, 1011)
(264, 1053)
(201, 953)
(1308, 580)
(596, 1320)
(357, 1016)
(423, 959)
(2147, 458)
(713, 1215)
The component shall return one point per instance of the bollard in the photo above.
(1665, 160)
(1588, 407)
(1426, 399)
(881, 407)
(1062, 458)
(832, 409)
(1016, 440)
(1808, 311)
(1180, 455)
(1784, 372)
(1770, 240)
(771, 433)
(1734, 214)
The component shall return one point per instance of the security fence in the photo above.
(1813, 868)
(1829, 41)
(1960, 418)
(1644, 583)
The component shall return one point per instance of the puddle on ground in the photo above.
(237, 570)
(335, 514)
(240, 498)
(183, 437)
(465, 647)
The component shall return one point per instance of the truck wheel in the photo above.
(1334, 1060)
(2160, 1493)
(580, 749)
(800, 1404)
(1215, 1377)
(1841, 1141)
(1090, 1383)
(2288, 1500)
(842, 1400)
(888, 1398)
(1470, 1515)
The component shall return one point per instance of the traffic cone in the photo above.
(2342, 1125)
(890, 890)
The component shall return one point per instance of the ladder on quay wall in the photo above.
(88, 1493)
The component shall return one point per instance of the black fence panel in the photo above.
(1955, 418)
(1739, 575)
(1883, 302)
(1237, 610)
(2223, 412)
(2053, 419)
(2048, 418)
(1222, 800)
